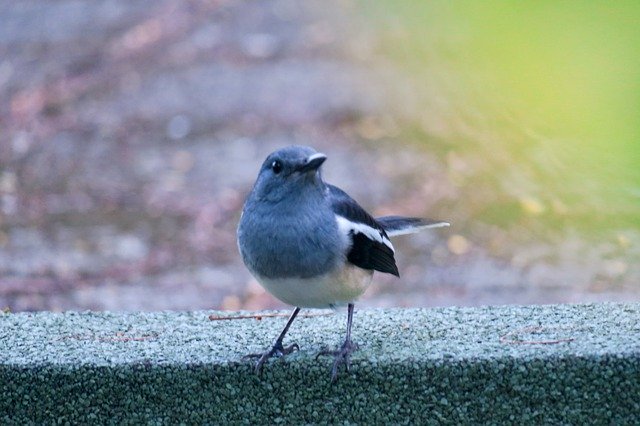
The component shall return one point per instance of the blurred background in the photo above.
(131, 132)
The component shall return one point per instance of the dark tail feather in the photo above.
(398, 225)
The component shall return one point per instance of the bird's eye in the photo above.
(276, 166)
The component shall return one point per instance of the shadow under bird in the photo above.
(311, 245)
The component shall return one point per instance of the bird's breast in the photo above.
(301, 243)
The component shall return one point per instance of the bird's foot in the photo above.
(276, 350)
(342, 356)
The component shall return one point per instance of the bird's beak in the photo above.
(312, 163)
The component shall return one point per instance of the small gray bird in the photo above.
(311, 245)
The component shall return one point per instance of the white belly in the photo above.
(337, 288)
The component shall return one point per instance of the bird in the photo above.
(311, 245)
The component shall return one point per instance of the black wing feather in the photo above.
(365, 252)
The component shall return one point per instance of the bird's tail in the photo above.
(398, 225)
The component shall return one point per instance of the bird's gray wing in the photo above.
(370, 246)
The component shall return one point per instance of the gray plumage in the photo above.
(399, 225)
(285, 216)
(310, 244)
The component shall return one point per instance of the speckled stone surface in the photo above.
(535, 364)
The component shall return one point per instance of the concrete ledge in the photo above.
(537, 364)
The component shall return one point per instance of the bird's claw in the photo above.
(277, 350)
(342, 356)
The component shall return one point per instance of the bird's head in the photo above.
(289, 171)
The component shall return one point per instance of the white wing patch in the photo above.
(346, 227)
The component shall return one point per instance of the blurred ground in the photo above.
(131, 132)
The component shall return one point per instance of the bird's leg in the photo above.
(343, 354)
(277, 349)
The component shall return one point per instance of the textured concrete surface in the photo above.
(536, 364)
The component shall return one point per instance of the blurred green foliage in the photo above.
(554, 87)
(574, 63)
